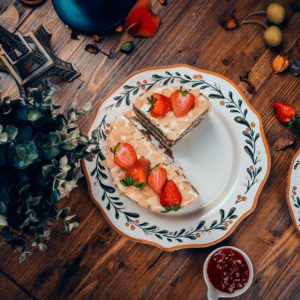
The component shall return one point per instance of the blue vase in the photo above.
(93, 16)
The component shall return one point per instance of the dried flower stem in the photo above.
(245, 22)
(108, 54)
(132, 25)
(255, 14)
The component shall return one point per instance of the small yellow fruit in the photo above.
(273, 36)
(275, 13)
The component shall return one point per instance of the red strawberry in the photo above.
(182, 102)
(160, 105)
(141, 21)
(285, 113)
(145, 163)
(170, 197)
(157, 179)
(137, 174)
(124, 155)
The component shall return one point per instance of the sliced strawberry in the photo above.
(170, 197)
(182, 102)
(141, 21)
(157, 178)
(137, 174)
(124, 155)
(160, 105)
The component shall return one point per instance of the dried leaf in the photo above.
(92, 49)
(283, 142)
(295, 6)
(3, 221)
(127, 48)
(74, 35)
(229, 22)
(97, 38)
(295, 67)
(109, 54)
(120, 28)
(163, 2)
(280, 63)
(226, 61)
(250, 86)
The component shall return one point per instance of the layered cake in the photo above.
(170, 113)
(142, 172)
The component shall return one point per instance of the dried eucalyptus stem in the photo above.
(40, 153)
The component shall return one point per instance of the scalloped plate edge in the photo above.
(289, 191)
(239, 220)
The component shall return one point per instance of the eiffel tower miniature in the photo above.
(29, 59)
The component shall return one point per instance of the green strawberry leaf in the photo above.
(116, 149)
(171, 208)
(156, 167)
(128, 181)
(151, 100)
(291, 122)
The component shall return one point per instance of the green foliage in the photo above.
(40, 152)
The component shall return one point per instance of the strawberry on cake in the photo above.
(170, 113)
(142, 172)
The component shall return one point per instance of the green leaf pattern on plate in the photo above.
(240, 116)
(294, 193)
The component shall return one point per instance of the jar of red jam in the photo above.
(228, 272)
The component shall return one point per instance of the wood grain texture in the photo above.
(94, 261)
(9, 287)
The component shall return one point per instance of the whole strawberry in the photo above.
(160, 105)
(182, 102)
(170, 197)
(141, 21)
(137, 174)
(285, 113)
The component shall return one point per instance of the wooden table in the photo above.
(94, 262)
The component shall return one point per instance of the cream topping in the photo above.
(172, 126)
(122, 129)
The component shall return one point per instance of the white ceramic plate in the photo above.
(226, 158)
(293, 190)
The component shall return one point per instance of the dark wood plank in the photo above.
(94, 261)
(13, 14)
(10, 289)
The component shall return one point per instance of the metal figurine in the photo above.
(29, 59)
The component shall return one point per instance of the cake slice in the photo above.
(169, 129)
(124, 130)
